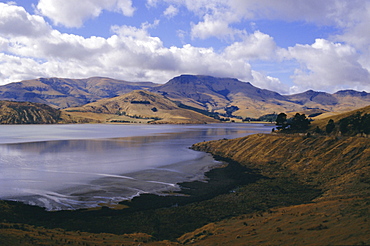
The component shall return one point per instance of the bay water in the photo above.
(63, 167)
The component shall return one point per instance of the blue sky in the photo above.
(288, 46)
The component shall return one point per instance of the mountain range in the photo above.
(226, 96)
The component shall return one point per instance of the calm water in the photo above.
(81, 166)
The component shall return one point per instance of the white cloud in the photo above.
(212, 27)
(217, 16)
(74, 13)
(171, 11)
(264, 81)
(339, 12)
(254, 46)
(15, 21)
(130, 53)
(328, 66)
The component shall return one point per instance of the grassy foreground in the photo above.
(339, 166)
(277, 190)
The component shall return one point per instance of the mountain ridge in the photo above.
(64, 92)
(226, 96)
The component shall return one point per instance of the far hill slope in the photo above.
(63, 93)
(142, 105)
(218, 94)
(233, 97)
(340, 101)
(27, 113)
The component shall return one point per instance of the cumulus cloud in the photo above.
(171, 11)
(212, 27)
(254, 46)
(15, 21)
(73, 14)
(130, 52)
(327, 66)
(264, 81)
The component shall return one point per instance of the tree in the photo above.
(365, 124)
(281, 121)
(300, 122)
(344, 125)
(330, 126)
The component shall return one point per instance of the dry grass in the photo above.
(322, 120)
(340, 167)
(20, 234)
(323, 223)
(156, 109)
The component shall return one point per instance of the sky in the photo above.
(288, 46)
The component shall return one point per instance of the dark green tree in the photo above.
(330, 126)
(355, 121)
(281, 121)
(344, 125)
(365, 124)
(318, 130)
(300, 122)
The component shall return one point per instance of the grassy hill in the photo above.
(39, 113)
(321, 122)
(140, 106)
(339, 167)
(218, 94)
(63, 92)
(238, 98)
(27, 113)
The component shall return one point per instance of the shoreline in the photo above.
(218, 180)
(230, 190)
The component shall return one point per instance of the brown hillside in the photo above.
(340, 167)
(144, 106)
(323, 121)
(27, 113)
(219, 94)
(63, 92)
(216, 94)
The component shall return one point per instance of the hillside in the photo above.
(362, 115)
(27, 113)
(227, 96)
(218, 94)
(237, 98)
(141, 106)
(63, 93)
(339, 167)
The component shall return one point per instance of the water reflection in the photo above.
(70, 174)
